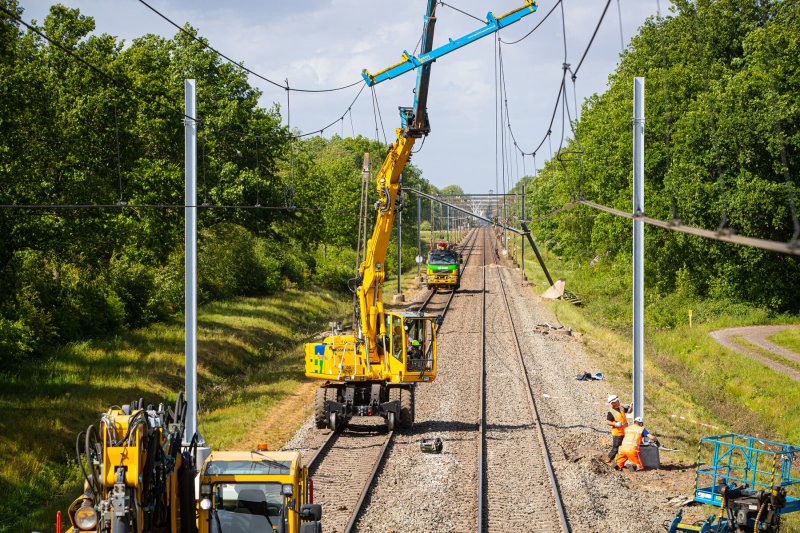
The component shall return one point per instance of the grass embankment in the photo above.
(249, 365)
(788, 338)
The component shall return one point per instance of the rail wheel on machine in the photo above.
(406, 408)
(406, 398)
(320, 416)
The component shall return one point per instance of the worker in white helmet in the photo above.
(617, 419)
(631, 444)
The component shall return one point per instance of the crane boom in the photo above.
(410, 62)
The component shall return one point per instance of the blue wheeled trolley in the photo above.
(753, 481)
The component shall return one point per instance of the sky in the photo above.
(318, 44)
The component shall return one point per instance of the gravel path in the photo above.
(757, 335)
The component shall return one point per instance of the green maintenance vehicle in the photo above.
(443, 270)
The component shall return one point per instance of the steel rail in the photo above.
(315, 459)
(482, 412)
(562, 517)
(368, 485)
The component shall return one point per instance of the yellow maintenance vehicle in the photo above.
(257, 491)
(374, 370)
(140, 478)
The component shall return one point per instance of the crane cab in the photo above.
(380, 380)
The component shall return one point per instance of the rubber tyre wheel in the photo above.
(391, 423)
(406, 409)
(320, 416)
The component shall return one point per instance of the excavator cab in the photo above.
(413, 347)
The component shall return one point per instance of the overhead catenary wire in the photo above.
(558, 3)
(204, 43)
(40, 207)
(320, 131)
(114, 81)
(380, 117)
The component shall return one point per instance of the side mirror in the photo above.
(311, 511)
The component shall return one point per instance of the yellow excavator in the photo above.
(374, 370)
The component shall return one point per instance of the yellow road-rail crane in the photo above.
(374, 371)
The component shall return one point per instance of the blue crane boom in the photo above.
(410, 62)
(414, 120)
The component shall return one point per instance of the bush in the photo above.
(336, 270)
(231, 261)
(135, 285)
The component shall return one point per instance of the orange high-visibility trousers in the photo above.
(629, 455)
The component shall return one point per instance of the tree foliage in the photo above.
(713, 146)
(69, 135)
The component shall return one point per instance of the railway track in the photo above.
(352, 456)
(508, 446)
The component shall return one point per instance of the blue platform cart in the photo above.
(753, 481)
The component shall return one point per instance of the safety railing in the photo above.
(752, 462)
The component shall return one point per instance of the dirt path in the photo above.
(757, 335)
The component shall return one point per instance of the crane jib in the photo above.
(411, 62)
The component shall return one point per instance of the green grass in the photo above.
(741, 341)
(788, 338)
(249, 358)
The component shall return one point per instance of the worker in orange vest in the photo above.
(629, 449)
(618, 420)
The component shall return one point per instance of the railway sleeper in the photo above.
(337, 403)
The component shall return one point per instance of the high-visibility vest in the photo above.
(619, 416)
(633, 438)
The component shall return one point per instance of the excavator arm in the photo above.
(414, 125)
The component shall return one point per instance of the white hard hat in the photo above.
(612, 398)
(639, 420)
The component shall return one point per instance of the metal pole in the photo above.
(190, 259)
(431, 243)
(522, 250)
(638, 247)
(399, 248)
(419, 236)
